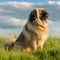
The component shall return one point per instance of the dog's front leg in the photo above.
(33, 45)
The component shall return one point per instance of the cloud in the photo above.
(17, 4)
(54, 2)
(51, 2)
(10, 22)
(22, 5)
(58, 3)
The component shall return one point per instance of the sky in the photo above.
(14, 14)
(25, 0)
(29, 0)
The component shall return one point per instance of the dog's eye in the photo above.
(42, 11)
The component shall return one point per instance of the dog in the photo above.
(35, 31)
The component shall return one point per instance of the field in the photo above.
(50, 51)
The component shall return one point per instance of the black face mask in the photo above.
(33, 16)
(44, 15)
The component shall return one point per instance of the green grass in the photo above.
(50, 51)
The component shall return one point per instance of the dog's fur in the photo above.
(35, 31)
(8, 45)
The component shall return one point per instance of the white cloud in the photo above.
(54, 2)
(18, 22)
(58, 2)
(19, 4)
(11, 21)
(22, 5)
(51, 2)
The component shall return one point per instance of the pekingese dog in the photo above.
(35, 31)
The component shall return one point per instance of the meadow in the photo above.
(50, 51)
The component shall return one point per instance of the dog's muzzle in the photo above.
(44, 15)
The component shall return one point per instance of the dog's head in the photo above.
(38, 15)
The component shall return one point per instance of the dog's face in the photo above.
(38, 15)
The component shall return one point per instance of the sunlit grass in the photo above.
(50, 51)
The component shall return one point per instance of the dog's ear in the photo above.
(33, 15)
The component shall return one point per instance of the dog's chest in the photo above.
(40, 33)
(32, 32)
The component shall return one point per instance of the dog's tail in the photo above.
(8, 45)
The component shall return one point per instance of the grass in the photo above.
(51, 51)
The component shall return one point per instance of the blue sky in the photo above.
(14, 14)
(26, 0)
(29, 0)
